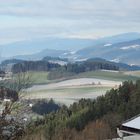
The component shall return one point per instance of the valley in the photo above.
(68, 83)
(69, 69)
(69, 91)
(88, 85)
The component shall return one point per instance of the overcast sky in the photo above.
(31, 19)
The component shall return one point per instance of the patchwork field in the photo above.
(111, 75)
(85, 85)
(69, 91)
(38, 77)
(42, 77)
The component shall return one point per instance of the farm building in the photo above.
(130, 129)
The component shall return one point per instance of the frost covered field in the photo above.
(69, 91)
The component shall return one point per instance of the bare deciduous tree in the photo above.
(10, 127)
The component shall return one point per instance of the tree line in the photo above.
(73, 68)
(79, 67)
(33, 66)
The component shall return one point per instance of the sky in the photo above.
(34, 19)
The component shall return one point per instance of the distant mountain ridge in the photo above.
(123, 48)
(42, 54)
(35, 46)
(125, 37)
(125, 52)
(122, 66)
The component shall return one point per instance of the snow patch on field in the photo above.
(130, 47)
(70, 91)
(117, 60)
(107, 45)
(76, 82)
(110, 70)
(72, 52)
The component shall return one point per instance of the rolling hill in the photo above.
(35, 46)
(124, 48)
(124, 52)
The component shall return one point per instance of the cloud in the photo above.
(22, 19)
(69, 8)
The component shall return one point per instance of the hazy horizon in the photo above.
(38, 45)
(28, 20)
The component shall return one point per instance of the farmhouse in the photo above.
(130, 128)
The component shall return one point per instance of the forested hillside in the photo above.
(79, 67)
(89, 119)
(58, 71)
(33, 66)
